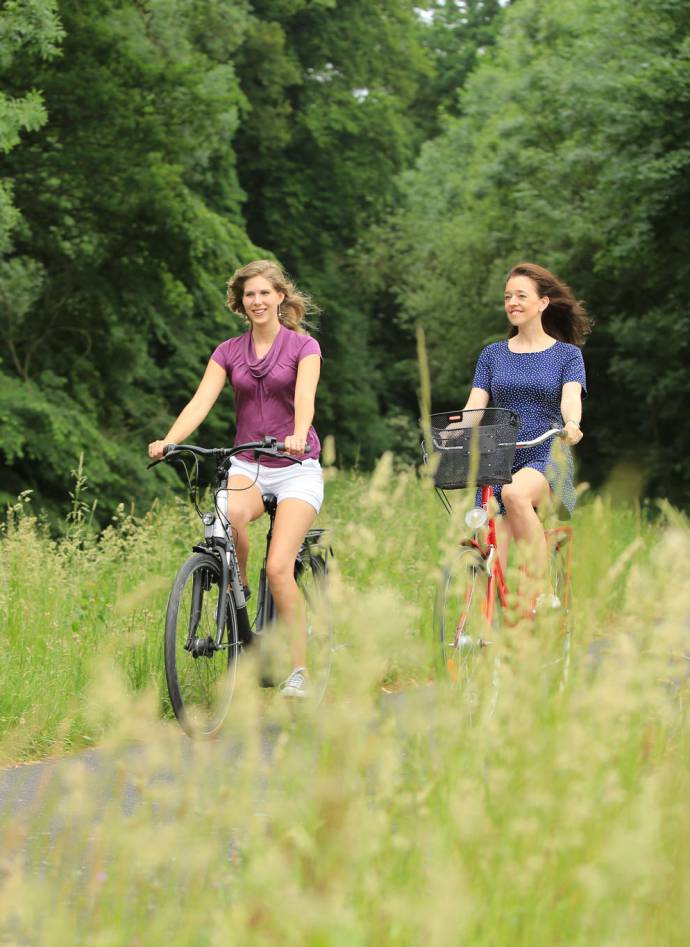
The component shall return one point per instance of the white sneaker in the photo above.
(295, 685)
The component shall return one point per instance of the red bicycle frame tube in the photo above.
(496, 578)
(496, 581)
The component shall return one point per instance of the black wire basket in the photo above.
(476, 447)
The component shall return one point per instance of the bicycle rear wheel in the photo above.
(200, 675)
(460, 613)
(311, 574)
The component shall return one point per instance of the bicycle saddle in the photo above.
(270, 503)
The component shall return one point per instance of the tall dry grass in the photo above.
(543, 802)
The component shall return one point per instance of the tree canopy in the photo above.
(396, 158)
(573, 151)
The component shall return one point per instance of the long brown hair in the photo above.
(565, 318)
(294, 307)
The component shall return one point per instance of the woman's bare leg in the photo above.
(293, 519)
(244, 506)
(528, 489)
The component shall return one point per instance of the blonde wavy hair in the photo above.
(294, 308)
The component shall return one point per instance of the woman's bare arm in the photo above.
(195, 411)
(571, 410)
(478, 399)
(308, 373)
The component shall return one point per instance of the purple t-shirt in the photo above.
(265, 387)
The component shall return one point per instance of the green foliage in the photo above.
(574, 151)
(458, 35)
(331, 125)
(151, 147)
(27, 29)
(131, 220)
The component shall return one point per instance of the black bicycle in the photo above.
(208, 622)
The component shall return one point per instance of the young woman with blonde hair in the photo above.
(274, 370)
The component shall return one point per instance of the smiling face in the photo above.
(522, 301)
(260, 301)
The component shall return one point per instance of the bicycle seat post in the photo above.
(270, 505)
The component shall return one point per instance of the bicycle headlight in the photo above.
(476, 518)
(208, 519)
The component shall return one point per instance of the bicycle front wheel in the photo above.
(460, 613)
(310, 575)
(200, 672)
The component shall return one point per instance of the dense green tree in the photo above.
(171, 141)
(29, 31)
(331, 85)
(131, 220)
(572, 150)
(458, 35)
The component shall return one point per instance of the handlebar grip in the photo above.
(280, 447)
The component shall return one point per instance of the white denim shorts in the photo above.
(297, 482)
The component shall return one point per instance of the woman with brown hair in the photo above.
(538, 373)
(274, 370)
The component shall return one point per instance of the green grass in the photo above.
(541, 803)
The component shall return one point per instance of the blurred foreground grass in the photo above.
(531, 807)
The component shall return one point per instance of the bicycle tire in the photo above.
(459, 613)
(200, 687)
(311, 571)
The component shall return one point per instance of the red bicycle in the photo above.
(476, 447)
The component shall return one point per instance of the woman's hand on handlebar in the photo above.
(295, 444)
(156, 449)
(573, 434)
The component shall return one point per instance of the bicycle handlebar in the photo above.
(268, 447)
(553, 432)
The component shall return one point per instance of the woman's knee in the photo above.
(279, 570)
(239, 515)
(515, 499)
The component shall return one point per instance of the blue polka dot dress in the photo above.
(530, 384)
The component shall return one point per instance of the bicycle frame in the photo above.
(489, 553)
(266, 609)
(223, 546)
(207, 621)
(488, 550)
